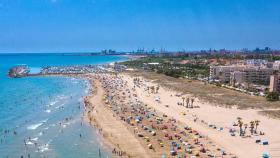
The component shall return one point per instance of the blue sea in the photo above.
(42, 116)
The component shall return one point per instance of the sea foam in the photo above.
(34, 126)
(44, 148)
(47, 111)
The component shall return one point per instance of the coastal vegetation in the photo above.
(212, 93)
(197, 64)
(272, 96)
(271, 113)
(181, 66)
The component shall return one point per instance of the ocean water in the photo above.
(42, 116)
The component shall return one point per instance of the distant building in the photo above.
(223, 72)
(153, 63)
(256, 62)
(276, 65)
(274, 83)
(269, 64)
(249, 74)
(237, 77)
(258, 75)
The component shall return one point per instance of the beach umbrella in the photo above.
(265, 155)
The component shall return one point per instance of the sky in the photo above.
(125, 25)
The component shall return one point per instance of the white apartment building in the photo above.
(276, 65)
(274, 83)
(249, 74)
(256, 62)
(237, 77)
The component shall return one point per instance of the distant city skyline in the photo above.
(126, 25)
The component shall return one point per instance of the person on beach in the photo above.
(128, 109)
(99, 152)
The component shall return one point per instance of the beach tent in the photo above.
(265, 142)
(258, 140)
(173, 152)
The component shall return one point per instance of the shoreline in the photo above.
(106, 122)
(99, 112)
(95, 116)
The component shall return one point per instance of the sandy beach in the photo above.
(112, 130)
(138, 130)
(140, 79)
(118, 101)
(219, 116)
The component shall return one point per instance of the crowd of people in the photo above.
(163, 136)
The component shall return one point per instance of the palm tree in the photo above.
(157, 88)
(240, 124)
(252, 126)
(152, 89)
(192, 100)
(183, 98)
(257, 123)
(187, 102)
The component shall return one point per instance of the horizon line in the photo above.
(147, 50)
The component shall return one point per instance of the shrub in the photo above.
(272, 96)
